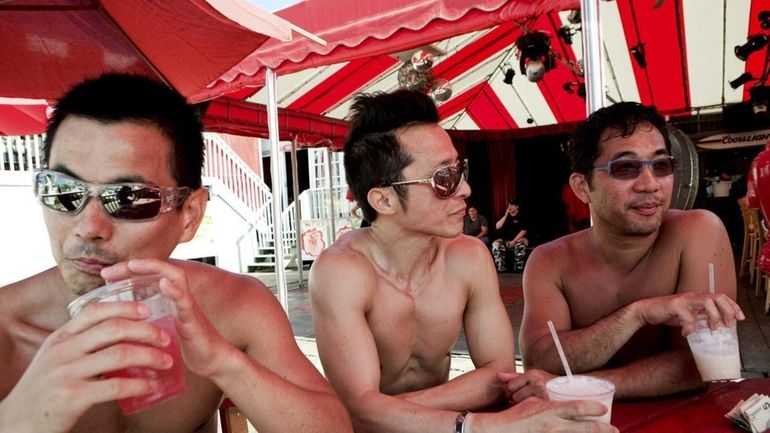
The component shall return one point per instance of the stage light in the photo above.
(754, 43)
(639, 55)
(764, 19)
(573, 86)
(741, 80)
(509, 74)
(759, 98)
(574, 16)
(565, 34)
(535, 55)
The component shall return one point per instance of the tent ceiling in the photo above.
(688, 45)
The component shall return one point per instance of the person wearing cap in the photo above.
(623, 293)
(120, 189)
(389, 301)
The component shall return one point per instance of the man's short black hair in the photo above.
(114, 97)
(373, 155)
(624, 117)
(513, 201)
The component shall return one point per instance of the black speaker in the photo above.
(741, 117)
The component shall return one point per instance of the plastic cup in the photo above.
(145, 290)
(580, 387)
(715, 352)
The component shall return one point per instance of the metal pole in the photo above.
(297, 210)
(331, 193)
(275, 169)
(593, 55)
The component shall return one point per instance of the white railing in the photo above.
(20, 153)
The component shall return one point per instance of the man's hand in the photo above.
(536, 415)
(682, 310)
(64, 379)
(201, 344)
(519, 387)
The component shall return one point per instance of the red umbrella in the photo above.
(48, 45)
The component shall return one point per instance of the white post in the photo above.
(331, 192)
(297, 211)
(277, 182)
(593, 55)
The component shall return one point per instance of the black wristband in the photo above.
(460, 421)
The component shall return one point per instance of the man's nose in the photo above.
(93, 223)
(647, 181)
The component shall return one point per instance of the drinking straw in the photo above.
(711, 278)
(560, 350)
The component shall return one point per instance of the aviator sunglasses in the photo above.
(445, 180)
(629, 169)
(122, 201)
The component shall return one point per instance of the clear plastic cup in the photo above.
(580, 387)
(145, 290)
(715, 352)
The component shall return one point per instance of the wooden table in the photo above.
(698, 412)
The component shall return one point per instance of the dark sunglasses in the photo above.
(628, 169)
(121, 201)
(445, 180)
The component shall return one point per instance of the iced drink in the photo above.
(580, 387)
(715, 352)
(145, 290)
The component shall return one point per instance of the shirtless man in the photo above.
(121, 129)
(389, 301)
(619, 291)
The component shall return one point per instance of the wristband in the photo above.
(460, 421)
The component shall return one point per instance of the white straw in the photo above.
(711, 278)
(560, 350)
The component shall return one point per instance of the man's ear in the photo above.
(383, 200)
(193, 210)
(579, 184)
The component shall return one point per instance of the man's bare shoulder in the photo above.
(37, 294)
(229, 298)
(684, 226)
(561, 250)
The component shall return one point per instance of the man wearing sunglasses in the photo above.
(121, 189)
(389, 301)
(623, 293)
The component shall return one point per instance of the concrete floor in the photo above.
(754, 332)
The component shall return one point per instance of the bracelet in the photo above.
(460, 421)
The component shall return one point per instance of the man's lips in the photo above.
(89, 266)
(646, 208)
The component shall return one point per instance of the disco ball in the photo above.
(422, 60)
(441, 90)
(412, 79)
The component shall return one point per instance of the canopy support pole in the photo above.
(276, 183)
(297, 211)
(331, 194)
(593, 55)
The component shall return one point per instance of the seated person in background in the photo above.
(619, 291)
(389, 302)
(355, 210)
(121, 132)
(512, 236)
(476, 225)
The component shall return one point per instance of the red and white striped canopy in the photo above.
(688, 45)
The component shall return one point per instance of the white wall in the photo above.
(24, 247)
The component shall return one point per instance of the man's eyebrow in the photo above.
(61, 168)
(631, 154)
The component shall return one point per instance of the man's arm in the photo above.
(519, 235)
(262, 370)
(483, 232)
(501, 221)
(488, 332)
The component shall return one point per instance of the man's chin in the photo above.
(80, 283)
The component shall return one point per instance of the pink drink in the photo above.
(170, 382)
(145, 290)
